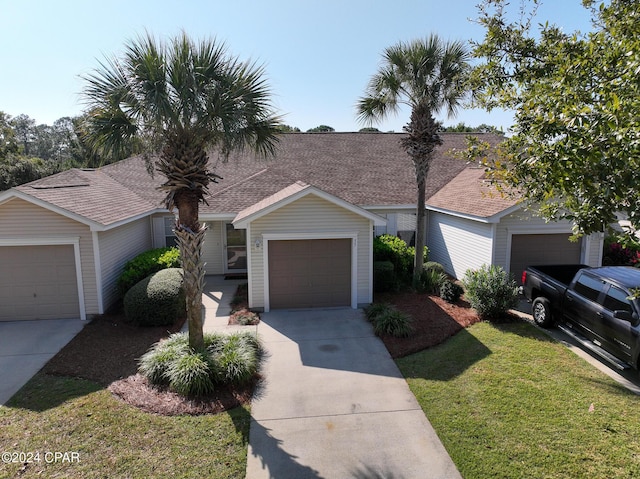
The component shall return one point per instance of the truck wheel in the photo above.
(541, 312)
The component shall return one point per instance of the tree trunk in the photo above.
(420, 230)
(419, 144)
(190, 235)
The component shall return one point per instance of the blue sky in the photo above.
(318, 55)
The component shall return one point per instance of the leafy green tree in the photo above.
(369, 129)
(180, 99)
(8, 142)
(464, 128)
(428, 75)
(24, 130)
(575, 149)
(321, 129)
(288, 129)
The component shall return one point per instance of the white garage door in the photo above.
(38, 282)
(310, 273)
(531, 250)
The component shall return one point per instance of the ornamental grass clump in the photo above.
(226, 359)
(386, 319)
(490, 291)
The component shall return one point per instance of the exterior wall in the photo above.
(213, 249)
(117, 246)
(309, 215)
(522, 222)
(21, 220)
(458, 244)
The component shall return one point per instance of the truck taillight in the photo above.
(524, 276)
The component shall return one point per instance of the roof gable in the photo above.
(293, 193)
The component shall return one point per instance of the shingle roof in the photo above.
(470, 193)
(365, 169)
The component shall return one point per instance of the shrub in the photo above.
(393, 249)
(433, 265)
(157, 300)
(392, 322)
(155, 363)
(386, 319)
(384, 276)
(490, 291)
(450, 291)
(145, 264)
(244, 317)
(431, 279)
(232, 358)
(376, 309)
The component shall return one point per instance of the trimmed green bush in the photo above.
(450, 291)
(232, 358)
(384, 277)
(157, 300)
(490, 291)
(145, 264)
(391, 248)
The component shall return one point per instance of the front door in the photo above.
(236, 249)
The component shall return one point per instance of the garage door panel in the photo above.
(538, 249)
(310, 273)
(38, 282)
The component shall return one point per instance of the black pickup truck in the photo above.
(594, 305)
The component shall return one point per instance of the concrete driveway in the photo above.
(26, 346)
(334, 405)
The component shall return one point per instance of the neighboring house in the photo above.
(299, 225)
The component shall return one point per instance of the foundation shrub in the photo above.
(490, 291)
(157, 300)
(145, 264)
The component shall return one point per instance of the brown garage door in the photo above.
(309, 273)
(38, 282)
(529, 250)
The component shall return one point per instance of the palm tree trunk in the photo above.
(420, 143)
(190, 235)
(420, 230)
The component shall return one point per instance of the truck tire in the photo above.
(541, 312)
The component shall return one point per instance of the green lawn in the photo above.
(509, 402)
(114, 440)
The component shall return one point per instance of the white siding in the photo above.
(117, 246)
(310, 215)
(21, 219)
(213, 249)
(458, 244)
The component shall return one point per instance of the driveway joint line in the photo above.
(359, 413)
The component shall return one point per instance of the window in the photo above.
(616, 300)
(407, 228)
(588, 287)
(169, 235)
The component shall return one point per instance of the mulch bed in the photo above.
(434, 320)
(107, 349)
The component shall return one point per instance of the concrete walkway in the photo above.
(334, 405)
(26, 346)
(216, 305)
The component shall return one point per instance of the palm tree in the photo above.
(181, 100)
(428, 75)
